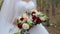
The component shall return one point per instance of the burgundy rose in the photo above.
(22, 19)
(33, 12)
(34, 17)
(38, 20)
(20, 25)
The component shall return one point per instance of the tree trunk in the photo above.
(47, 7)
(42, 5)
(53, 7)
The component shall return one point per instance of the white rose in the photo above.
(42, 18)
(25, 26)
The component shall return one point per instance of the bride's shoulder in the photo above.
(31, 2)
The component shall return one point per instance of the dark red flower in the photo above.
(20, 25)
(22, 19)
(38, 20)
(34, 17)
(33, 12)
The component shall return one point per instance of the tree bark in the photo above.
(53, 7)
(42, 5)
(47, 7)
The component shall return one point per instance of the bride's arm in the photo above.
(15, 14)
(15, 22)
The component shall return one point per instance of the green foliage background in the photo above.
(1, 2)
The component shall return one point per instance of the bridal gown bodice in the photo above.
(20, 8)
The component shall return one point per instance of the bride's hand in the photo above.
(15, 22)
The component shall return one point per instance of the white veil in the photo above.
(7, 10)
(6, 15)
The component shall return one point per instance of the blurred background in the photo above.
(52, 9)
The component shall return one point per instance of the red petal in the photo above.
(34, 17)
(20, 25)
(38, 20)
(21, 19)
(33, 12)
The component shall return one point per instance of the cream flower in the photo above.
(42, 18)
(25, 26)
(25, 16)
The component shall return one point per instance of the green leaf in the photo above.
(17, 32)
(30, 22)
(18, 21)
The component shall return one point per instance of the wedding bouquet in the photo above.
(28, 20)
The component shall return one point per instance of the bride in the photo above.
(11, 9)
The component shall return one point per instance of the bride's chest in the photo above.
(24, 4)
